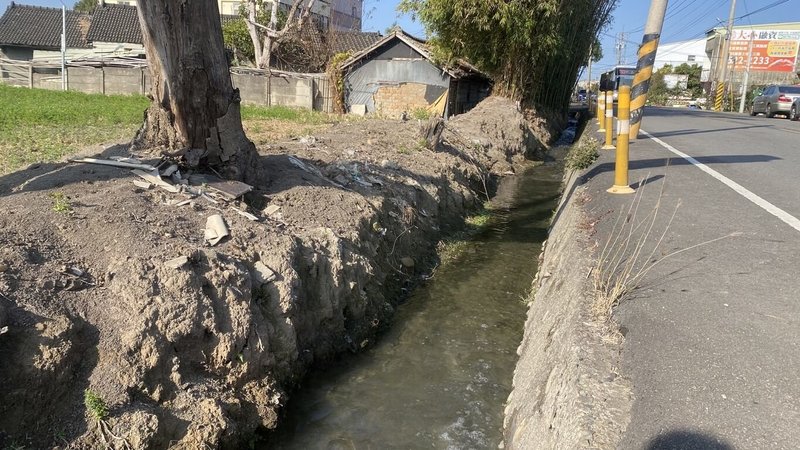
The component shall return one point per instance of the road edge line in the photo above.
(785, 217)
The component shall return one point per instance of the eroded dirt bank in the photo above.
(202, 353)
(566, 389)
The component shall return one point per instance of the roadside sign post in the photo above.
(621, 185)
(609, 128)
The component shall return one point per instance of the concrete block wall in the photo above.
(393, 100)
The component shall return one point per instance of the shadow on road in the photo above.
(664, 162)
(687, 440)
(697, 131)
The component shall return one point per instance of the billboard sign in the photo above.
(773, 50)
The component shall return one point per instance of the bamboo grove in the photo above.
(533, 49)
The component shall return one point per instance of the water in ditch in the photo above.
(440, 377)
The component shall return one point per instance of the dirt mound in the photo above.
(201, 351)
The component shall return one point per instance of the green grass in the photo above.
(43, 126)
(296, 115)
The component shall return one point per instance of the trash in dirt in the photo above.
(246, 214)
(271, 209)
(374, 180)
(74, 270)
(154, 178)
(407, 262)
(127, 159)
(183, 203)
(177, 263)
(263, 274)
(388, 164)
(111, 162)
(169, 170)
(3, 330)
(297, 163)
(362, 182)
(227, 188)
(308, 140)
(143, 184)
(216, 230)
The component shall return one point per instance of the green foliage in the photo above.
(297, 115)
(421, 114)
(597, 51)
(95, 405)
(60, 202)
(236, 36)
(85, 6)
(41, 125)
(660, 94)
(532, 48)
(582, 155)
(334, 71)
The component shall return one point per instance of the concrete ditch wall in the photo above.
(566, 394)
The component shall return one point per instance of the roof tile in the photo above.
(36, 26)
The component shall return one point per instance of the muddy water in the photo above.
(440, 377)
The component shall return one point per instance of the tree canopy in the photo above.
(532, 48)
(85, 6)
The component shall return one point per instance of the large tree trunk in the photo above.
(195, 109)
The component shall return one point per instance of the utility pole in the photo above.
(746, 80)
(620, 48)
(644, 66)
(723, 74)
(63, 46)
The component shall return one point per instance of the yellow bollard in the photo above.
(609, 127)
(601, 111)
(623, 138)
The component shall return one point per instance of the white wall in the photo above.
(677, 53)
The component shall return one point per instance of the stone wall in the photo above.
(566, 393)
(393, 100)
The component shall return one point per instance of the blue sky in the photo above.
(686, 19)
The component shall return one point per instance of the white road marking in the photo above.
(787, 218)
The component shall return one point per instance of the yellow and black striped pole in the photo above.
(623, 137)
(641, 82)
(609, 127)
(601, 111)
(719, 96)
(644, 66)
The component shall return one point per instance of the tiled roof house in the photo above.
(112, 29)
(115, 31)
(27, 29)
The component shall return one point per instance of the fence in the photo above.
(131, 76)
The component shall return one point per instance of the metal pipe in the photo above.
(746, 80)
(63, 46)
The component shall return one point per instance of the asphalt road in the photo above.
(713, 334)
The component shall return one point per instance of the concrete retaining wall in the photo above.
(566, 394)
(310, 91)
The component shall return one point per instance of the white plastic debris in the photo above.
(216, 230)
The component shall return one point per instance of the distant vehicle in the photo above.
(775, 99)
(794, 112)
(582, 95)
(621, 76)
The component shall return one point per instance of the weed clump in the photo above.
(95, 405)
(61, 202)
(582, 155)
